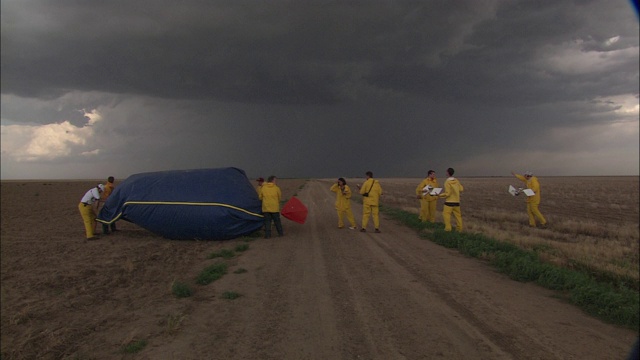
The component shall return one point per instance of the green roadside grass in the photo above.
(612, 299)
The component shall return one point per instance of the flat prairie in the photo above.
(593, 221)
(318, 292)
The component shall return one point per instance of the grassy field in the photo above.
(593, 221)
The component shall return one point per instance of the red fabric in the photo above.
(295, 210)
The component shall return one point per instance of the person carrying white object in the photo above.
(428, 199)
(533, 198)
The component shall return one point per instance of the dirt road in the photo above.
(319, 292)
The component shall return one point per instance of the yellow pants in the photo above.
(89, 218)
(350, 218)
(372, 210)
(446, 216)
(532, 210)
(428, 210)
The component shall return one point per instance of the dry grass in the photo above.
(173, 323)
(593, 220)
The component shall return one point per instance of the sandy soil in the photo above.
(319, 292)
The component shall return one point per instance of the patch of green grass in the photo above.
(181, 290)
(605, 277)
(611, 298)
(409, 219)
(230, 295)
(240, 271)
(242, 247)
(542, 248)
(223, 253)
(211, 273)
(134, 346)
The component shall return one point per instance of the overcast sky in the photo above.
(319, 88)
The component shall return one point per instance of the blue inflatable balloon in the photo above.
(201, 204)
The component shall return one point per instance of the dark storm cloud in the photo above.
(320, 86)
(246, 52)
(284, 52)
(242, 51)
(501, 56)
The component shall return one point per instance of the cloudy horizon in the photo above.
(319, 89)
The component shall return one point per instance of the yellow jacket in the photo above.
(374, 189)
(433, 183)
(452, 190)
(108, 189)
(342, 197)
(270, 195)
(532, 184)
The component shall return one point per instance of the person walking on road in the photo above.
(452, 190)
(343, 203)
(371, 192)
(533, 202)
(427, 201)
(87, 207)
(270, 195)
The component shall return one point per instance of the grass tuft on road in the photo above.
(230, 295)
(242, 247)
(134, 346)
(223, 253)
(181, 290)
(211, 273)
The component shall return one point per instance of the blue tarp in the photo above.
(205, 204)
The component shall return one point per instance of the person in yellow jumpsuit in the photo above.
(533, 202)
(108, 189)
(87, 210)
(270, 195)
(371, 192)
(427, 201)
(452, 190)
(343, 203)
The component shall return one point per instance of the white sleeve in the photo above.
(95, 193)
